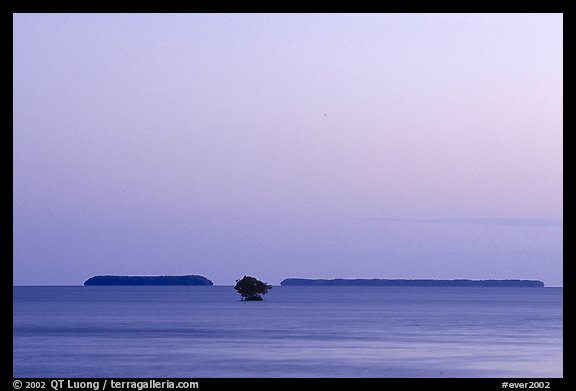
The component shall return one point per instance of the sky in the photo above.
(287, 145)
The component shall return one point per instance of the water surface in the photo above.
(198, 331)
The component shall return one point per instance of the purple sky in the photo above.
(325, 145)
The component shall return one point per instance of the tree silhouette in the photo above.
(251, 288)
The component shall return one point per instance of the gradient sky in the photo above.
(288, 145)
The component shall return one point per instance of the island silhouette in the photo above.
(148, 280)
(402, 282)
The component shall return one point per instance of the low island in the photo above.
(148, 280)
(401, 282)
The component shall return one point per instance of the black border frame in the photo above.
(424, 6)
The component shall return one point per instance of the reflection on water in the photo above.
(295, 332)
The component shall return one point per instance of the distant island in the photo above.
(148, 280)
(400, 282)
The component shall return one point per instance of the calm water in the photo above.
(296, 332)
